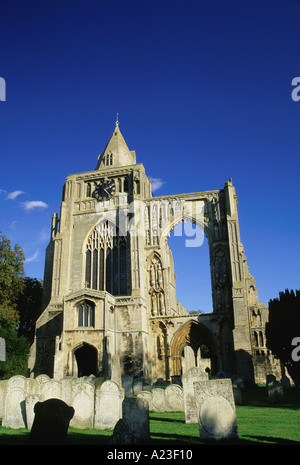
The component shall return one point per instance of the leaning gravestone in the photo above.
(30, 402)
(135, 412)
(215, 403)
(108, 409)
(51, 423)
(193, 375)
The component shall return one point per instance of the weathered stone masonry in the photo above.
(109, 284)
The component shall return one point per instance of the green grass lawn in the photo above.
(259, 422)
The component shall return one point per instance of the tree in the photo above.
(17, 351)
(283, 326)
(11, 281)
(12, 284)
(29, 307)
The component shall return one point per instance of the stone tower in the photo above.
(110, 288)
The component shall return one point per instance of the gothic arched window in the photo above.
(106, 263)
(108, 160)
(86, 314)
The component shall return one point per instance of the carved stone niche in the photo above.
(156, 287)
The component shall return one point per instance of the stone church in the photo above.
(110, 286)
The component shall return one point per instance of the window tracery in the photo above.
(106, 264)
(86, 314)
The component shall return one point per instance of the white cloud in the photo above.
(13, 195)
(156, 183)
(33, 258)
(13, 224)
(30, 205)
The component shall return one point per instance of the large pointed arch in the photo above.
(193, 334)
(86, 360)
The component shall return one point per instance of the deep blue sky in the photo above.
(203, 92)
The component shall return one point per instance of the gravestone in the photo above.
(237, 393)
(158, 400)
(147, 395)
(116, 371)
(108, 408)
(127, 383)
(2, 350)
(274, 389)
(51, 422)
(193, 375)
(83, 403)
(216, 407)
(2, 396)
(66, 389)
(30, 402)
(135, 412)
(137, 386)
(50, 389)
(174, 398)
(121, 434)
(14, 403)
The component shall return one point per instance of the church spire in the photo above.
(116, 152)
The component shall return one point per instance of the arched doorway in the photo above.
(86, 359)
(190, 343)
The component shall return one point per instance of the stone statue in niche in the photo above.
(156, 292)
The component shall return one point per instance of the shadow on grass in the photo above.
(157, 439)
(164, 419)
(265, 440)
(173, 440)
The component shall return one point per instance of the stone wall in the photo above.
(97, 402)
(101, 404)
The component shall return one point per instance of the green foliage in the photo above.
(17, 351)
(20, 305)
(29, 307)
(11, 281)
(283, 327)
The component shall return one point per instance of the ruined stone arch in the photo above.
(193, 334)
(182, 217)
